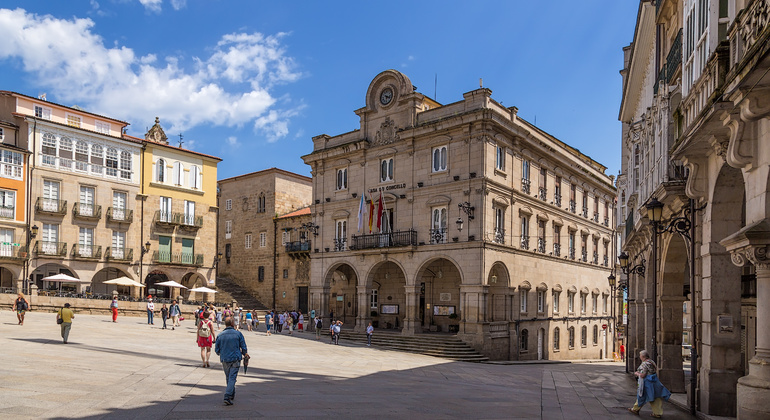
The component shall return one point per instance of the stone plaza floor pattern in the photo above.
(131, 370)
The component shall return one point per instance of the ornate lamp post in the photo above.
(611, 279)
(466, 208)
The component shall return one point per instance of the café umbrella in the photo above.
(124, 281)
(64, 278)
(170, 283)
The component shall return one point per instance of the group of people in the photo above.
(287, 320)
(173, 311)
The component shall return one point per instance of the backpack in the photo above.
(204, 330)
(319, 324)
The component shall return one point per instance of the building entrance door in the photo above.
(302, 299)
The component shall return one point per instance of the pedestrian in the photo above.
(236, 318)
(174, 312)
(21, 306)
(281, 322)
(622, 352)
(65, 314)
(289, 324)
(337, 329)
(218, 316)
(268, 322)
(198, 314)
(114, 308)
(150, 310)
(249, 320)
(255, 320)
(369, 332)
(206, 337)
(301, 322)
(649, 387)
(231, 348)
(164, 315)
(319, 324)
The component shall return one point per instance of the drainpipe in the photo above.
(275, 257)
(693, 329)
(30, 168)
(141, 215)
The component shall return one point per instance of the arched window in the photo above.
(583, 335)
(556, 335)
(596, 334)
(195, 174)
(571, 337)
(261, 203)
(160, 171)
(523, 340)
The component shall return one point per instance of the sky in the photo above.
(253, 81)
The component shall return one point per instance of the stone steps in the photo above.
(439, 345)
(238, 293)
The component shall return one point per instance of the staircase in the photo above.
(438, 345)
(230, 290)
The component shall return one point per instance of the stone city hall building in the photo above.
(491, 227)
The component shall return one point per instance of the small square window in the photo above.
(286, 273)
(73, 120)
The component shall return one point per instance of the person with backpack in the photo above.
(205, 337)
(21, 306)
(318, 326)
(174, 312)
(336, 329)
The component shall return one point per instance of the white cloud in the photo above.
(178, 4)
(152, 5)
(232, 141)
(72, 63)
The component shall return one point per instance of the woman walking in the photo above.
(249, 319)
(164, 315)
(650, 389)
(114, 308)
(301, 322)
(21, 306)
(289, 323)
(206, 337)
(268, 322)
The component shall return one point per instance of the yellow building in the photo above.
(178, 203)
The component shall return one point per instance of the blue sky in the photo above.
(253, 81)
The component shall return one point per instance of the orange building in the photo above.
(13, 203)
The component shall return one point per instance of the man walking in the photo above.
(66, 315)
(150, 310)
(174, 313)
(231, 348)
(337, 328)
(369, 332)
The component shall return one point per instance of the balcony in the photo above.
(119, 254)
(541, 193)
(438, 236)
(541, 245)
(189, 221)
(674, 58)
(499, 236)
(584, 256)
(572, 206)
(182, 258)
(584, 212)
(7, 212)
(606, 221)
(91, 252)
(340, 244)
(525, 242)
(51, 206)
(164, 218)
(572, 253)
(525, 185)
(298, 249)
(87, 211)
(557, 199)
(385, 240)
(51, 249)
(606, 261)
(120, 215)
(596, 217)
(10, 252)
(557, 250)
(595, 259)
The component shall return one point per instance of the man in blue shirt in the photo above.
(231, 348)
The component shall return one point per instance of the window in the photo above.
(583, 302)
(340, 234)
(228, 252)
(541, 236)
(7, 204)
(65, 151)
(386, 170)
(119, 205)
(525, 177)
(557, 240)
(286, 273)
(500, 158)
(49, 149)
(438, 233)
(439, 159)
(164, 214)
(499, 225)
(571, 337)
(85, 242)
(195, 177)
(178, 173)
(50, 199)
(583, 335)
(189, 213)
(228, 204)
(373, 298)
(594, 303)
(523, 340)
(102, 127)
(525, 232)
(228, 229)
(261, 273)
(556, 296)
(285, 237)
(572, 198)
(160, 171)
(596, 335)
(125, 165)
(584, 248)
(540, 301)
(2, 134)
(556, 336)
(557, 191)
(342, 179)
(261, 203)
(73, 120)
(247, 243)
(523, 300)
(97, 159)
(111, 163)
(86, 204)
(81, 156)
(262, 239)
(42, 112)
(118, 245)
(12, 165)
(570, 302)
(572, 245)
(604, 304)
(585, 203)
(50, 239)
(6, 241)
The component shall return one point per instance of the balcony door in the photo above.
(50, 239)
(164, 249)
(165, 209)
(118, 205)
(86, 201)
(438, 225)
(86, 242)
(188, 250)
(6, 242)
(51, 196)
(189, 212)
(118, 244)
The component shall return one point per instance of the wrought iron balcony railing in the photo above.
(541, 193)
(674, 58)
(557, 250)
(118, 214)
(87, 211)
(340, 244)
(499, 236)
(525, 242)
(13, 252)
(119, 254)
(606, 261)
(164, 217)
(596, 258)
(525, 185)
(188, 220)
(51, 206)
(541, 245)
(585, 212)
(385, 240)
(182, 258)
(87, 251)
(572, 253)
(584, 255)
(7, 212)
(57, 249)
(606, 221)
(572, 206)
(596, 217)
(438, 236)
(557, 200)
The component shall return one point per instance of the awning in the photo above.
(63, 278)
(124, 281)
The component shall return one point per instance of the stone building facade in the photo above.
(491, 227)
(251, 234)
(701, 104)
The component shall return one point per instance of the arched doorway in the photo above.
(191, 281)
(498, 301)
(7, 279)
(341, 281)
(109, 273)
(439, 303)
(50, 269)
(160, 292)
(674, 289)
(386, 301)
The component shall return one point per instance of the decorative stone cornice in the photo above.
(750, 245)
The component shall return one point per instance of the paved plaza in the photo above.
(131, 370)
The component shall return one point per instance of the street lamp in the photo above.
(310, 227)
(466, 208)
(611, 279)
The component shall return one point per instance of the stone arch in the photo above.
(192, 280)
(674, 285)
(340, 285)
(388, 279)
(9, 274)
(398, 81)
(109, 273)
(499, 292)
(442, 278)
(48, 269)
(158, 276)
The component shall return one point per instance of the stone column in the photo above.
(412, 319)
(362, 312)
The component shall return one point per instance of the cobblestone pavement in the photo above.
(132, 370)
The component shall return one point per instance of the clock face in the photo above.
(386, 96)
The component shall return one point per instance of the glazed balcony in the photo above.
(50, 249)
(87, 211)
(385, 240)
(119, 254)
(120, 215)
(10, 252)
(89, 252)
(51, 206)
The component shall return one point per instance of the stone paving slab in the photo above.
(131, 370)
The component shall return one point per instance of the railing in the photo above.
(557, 250)
(572, 206)
(51, 206)
(584, 255)
(674, 58)
(499, 236)
(183, 258)
(12, 252)
(557, 200)
(572, 253)
(606, 221)
(541, 245)
(661, 78)
(750, 24)
(584, 212)
(116, 214)
(438, 236)
(50, 248)
(629, 224)
(122, 254)
(525, 242)
(7, 212)
(596, 217)
(677, 172)
(188, 220)
(606, 261)
(161, 257)
(541, 193)
(298, 246)
(595, 258)
(165, 217)
(385, 240)
(87, 251)
(87, 211)
(340, 244)
(525, 185)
